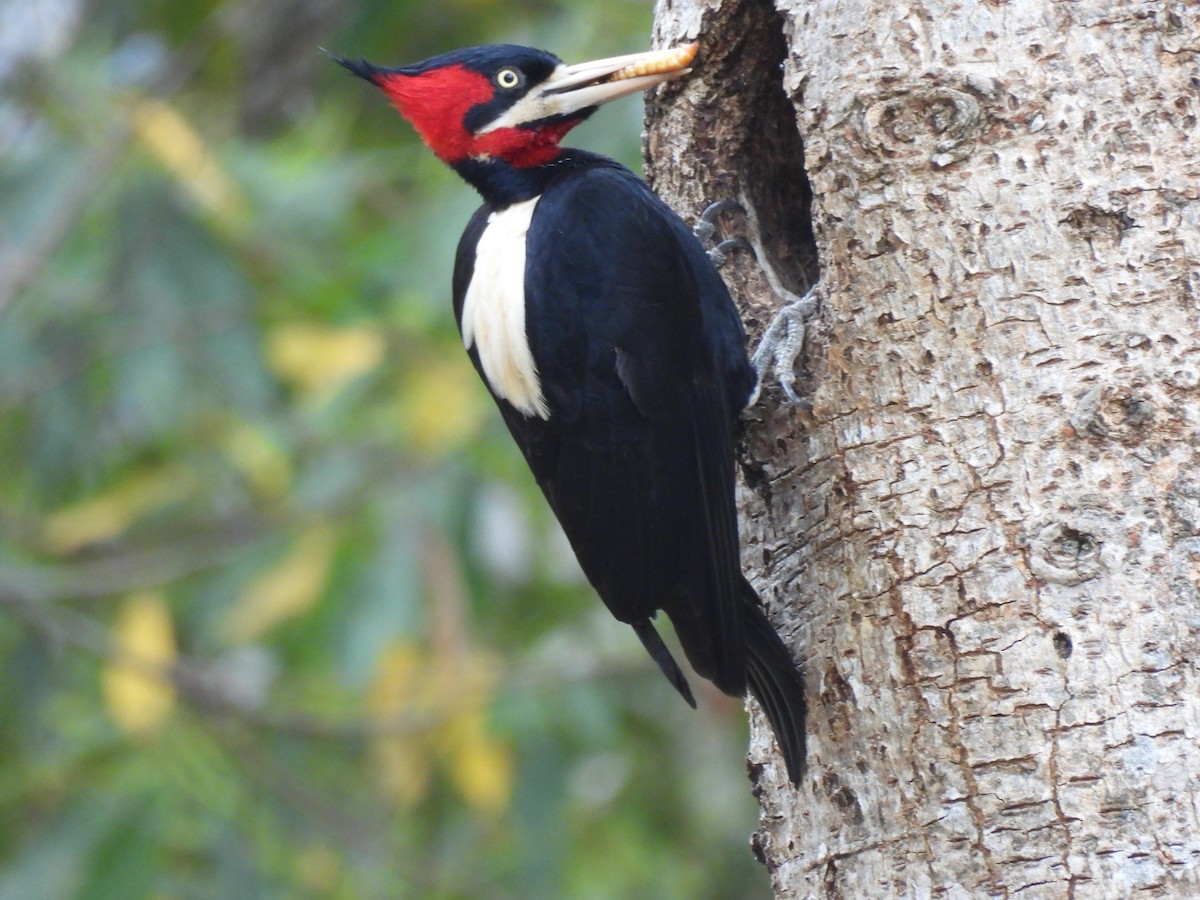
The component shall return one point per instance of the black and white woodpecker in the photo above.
(612, 348)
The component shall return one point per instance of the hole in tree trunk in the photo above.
(1062, 644)
(739, 133)
(771, 162)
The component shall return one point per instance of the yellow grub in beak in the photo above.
(658, 62)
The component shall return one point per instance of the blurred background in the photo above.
(281, 612)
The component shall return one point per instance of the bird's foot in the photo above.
(784, 337)
(780, 345)
(705, 230)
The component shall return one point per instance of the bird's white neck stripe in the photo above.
(493, 312)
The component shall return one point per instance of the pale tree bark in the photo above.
(984, 538)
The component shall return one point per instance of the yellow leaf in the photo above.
(181, 149)
(437, 706)
(399, 683)
(321, 359)
(481, 766)
(257, 456)
(137, 693)
(106, 515)
(285, 590)
(399, 691)
(442, 405)
(404, 767)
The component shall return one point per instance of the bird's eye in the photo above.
(508, 78)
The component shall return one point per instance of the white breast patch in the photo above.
(493, 312)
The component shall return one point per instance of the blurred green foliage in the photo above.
(281, 612)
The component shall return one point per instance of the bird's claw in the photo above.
(784, 337)
(720, 253)
(705, 230)
(780, 345)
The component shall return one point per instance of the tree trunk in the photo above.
(984, 539)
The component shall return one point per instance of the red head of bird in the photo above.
(508, 103)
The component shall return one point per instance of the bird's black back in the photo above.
(641, 358)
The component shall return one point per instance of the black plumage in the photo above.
(628, 397)
(642, 361)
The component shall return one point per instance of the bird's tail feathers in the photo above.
(658, 651)
(777, 684)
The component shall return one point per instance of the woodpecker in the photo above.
(612, 349)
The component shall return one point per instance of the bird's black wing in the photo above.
(641, 358)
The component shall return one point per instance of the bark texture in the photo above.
(984, 540)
